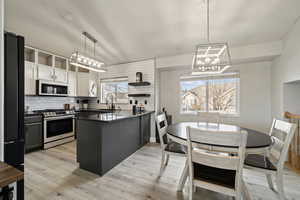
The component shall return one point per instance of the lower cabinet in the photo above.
(145, 129)
(33, 135)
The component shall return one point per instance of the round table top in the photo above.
(255, 139)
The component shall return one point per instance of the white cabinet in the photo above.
(30, 78)
(93, 84)
(72, 85)
(60, 75)
(45, 72)
(83, 83)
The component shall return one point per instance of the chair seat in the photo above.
(174, 147)
(259, 161)
(217, 176)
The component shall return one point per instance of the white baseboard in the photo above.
(152, 139)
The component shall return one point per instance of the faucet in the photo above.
(110, 98)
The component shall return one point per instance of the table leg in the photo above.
(183, 177)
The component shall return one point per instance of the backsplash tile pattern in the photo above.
(41, 103)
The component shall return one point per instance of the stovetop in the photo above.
(55, 112)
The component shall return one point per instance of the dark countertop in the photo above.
(32, 113)
(109, 117)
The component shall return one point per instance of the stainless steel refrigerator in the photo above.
(14, 104)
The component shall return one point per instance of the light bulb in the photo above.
(207, 59)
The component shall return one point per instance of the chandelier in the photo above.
(210, 58)
(85, 61)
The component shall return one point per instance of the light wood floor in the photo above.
(54, 174)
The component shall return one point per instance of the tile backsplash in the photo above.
(41, 103)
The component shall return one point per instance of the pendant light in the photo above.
(85, 61)
(210, 58)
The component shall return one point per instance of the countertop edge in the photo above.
(114, 120)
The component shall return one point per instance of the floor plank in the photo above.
(54, 174)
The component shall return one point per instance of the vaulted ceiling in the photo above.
(136, 29)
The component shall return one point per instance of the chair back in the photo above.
(222, 160)
(209, 117)
(162, 126)
(282, 133)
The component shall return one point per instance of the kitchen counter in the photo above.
(109, 117)
(9, 174)
(32, 113)
(106, 139)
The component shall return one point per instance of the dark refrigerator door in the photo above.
(14, 153)
(14, 104)
(21, 85)
(11, 84)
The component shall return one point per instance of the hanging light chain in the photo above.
(207, 22)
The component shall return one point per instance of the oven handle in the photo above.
(58, 118)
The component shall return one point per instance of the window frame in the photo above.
(110, 80)
(207, 78)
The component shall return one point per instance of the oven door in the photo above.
(56, 128)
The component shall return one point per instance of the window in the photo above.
(116, 88)
(210, 94)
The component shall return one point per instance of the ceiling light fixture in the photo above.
(211, 58)
(87, 62)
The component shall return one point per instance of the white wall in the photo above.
(1, 78)
(291, 96)
(255, 102)
(285, 68)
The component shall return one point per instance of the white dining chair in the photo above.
(209, 117)
(168, 147)
(272, 163)
(217, 171)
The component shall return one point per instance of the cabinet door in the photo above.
(45, 72)
(33, 136)
(145, 129)
(83, 84)
(72, 86)
(30, 78)
(60, 75)
(93, 84)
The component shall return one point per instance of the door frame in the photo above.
(1, 80)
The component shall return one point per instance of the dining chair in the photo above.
(168, 147)
(272, 163)
(217, 171)
(209, 117)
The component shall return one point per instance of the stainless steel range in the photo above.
(59, 127)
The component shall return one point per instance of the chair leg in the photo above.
(238, 196)
(167, 159)
(191, 190)
(270, 181)
(279, 183)
(162, 164)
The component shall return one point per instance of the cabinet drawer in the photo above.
(33, 119)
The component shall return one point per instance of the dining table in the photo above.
(257, 142)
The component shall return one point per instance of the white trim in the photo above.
(207, 79)
(1, 80)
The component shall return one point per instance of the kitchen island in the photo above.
(106, 139)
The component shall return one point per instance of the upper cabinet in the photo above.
(83, 79)
(45, 66)
(72, 80)
(30, 71)
(60, 69)
(52, 67)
